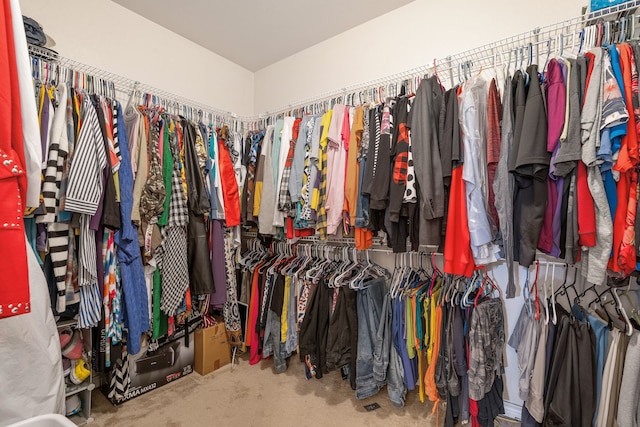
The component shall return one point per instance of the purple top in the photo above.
(556, 104)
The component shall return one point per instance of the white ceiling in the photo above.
(258, 33)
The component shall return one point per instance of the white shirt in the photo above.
(473, 120)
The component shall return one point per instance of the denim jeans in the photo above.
(273, 345)
(370, 302)
(362, 207)
(387, 365)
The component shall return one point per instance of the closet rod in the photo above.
(479, 56)
(127, 86)
(380, 247)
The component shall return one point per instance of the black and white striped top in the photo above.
(89, 160)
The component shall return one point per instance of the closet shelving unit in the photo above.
(450, 69)
(84, 389)
(532, 44)
(74, 71)
(535, 42)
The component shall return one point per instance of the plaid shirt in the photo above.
(178, 212)
(321, 222)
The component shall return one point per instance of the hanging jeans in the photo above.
(370, 302)
(387, 365)
(272, 343)
(362, 207)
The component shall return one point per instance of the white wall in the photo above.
(106, 35)
(405, 38)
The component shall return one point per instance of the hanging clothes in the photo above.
(530, 165)
(229, 183)
(426, 158)
(201, 280)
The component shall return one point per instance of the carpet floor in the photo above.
(256, 396)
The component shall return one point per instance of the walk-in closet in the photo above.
(283, 213)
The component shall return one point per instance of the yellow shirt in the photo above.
(316, 203)
(284, 326)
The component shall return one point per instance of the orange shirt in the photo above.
(353, 167)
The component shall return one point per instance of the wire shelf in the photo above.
(567, 32)
(81, 74)
(536, 43)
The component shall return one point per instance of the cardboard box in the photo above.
(212, 349)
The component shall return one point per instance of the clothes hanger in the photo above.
(395, 280)
(621, 310)
(554, 314)
(480, 291)
(632, 26)
(494, 284)
(546, 62)
(472, 285)
(623, 31)
(572, 286)
(562, 290)
(587, 38)
(435, 71)
(535, 288)
(599, 34)
(544, 289)
(611, 321)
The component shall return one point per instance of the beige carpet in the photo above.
(255, 396)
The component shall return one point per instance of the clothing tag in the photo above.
(371, 407)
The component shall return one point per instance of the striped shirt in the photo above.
(85, 184)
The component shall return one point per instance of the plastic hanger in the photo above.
(623, 31)
(394, 289)
(526, 293)
(535, 288)
(554, 313)
(480, 291)
(471, 286)
(581, 41)
(524, 69)
(620, 309)
(544, 290)
(435, 71)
